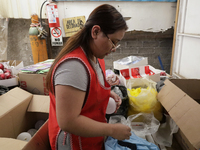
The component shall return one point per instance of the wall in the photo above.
(19, 47)
(147, 44)
(150, 29)
(145, 16)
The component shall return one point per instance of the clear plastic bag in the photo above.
(143, 124)
(3, 37)
(142, 97)
(150, 125)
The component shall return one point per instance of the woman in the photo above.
(77, 86)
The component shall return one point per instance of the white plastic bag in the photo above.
(164, 135)
(143, 124)
(150, 126)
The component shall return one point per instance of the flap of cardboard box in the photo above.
(183, 109)
(39, 103)
(14, 106)
(191, 87)
(10, 144)
(12, 99)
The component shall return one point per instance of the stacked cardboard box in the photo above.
(33, 83)
(33, 78)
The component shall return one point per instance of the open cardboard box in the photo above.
(19, 111)
(183, 108)
(181, 98)
(146, 71)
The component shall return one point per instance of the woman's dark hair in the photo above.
(110, 21)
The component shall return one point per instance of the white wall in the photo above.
(145, 16)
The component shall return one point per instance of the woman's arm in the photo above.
(69, 102)
(116, 98)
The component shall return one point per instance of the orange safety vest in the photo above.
(94, 107)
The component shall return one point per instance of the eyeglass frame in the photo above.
(114, 46)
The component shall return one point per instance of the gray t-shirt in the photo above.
(73, 72)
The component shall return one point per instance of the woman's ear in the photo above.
(95, 30)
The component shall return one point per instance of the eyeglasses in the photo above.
(114, 46)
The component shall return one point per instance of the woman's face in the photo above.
(103, 44)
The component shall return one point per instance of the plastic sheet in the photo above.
(143, 124)
(3, 38)
(164, 135)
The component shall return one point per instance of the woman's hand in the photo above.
(117, 99)
(121, 131)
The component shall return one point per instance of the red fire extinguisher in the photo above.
(52, 14)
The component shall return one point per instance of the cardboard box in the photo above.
(40, 140)
(11, 144)
(19, 111)
(33, 83)
(146, 71)
(181, 98)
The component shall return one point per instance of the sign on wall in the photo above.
(73, 25)
(56, 36)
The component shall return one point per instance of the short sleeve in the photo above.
(72, 72)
